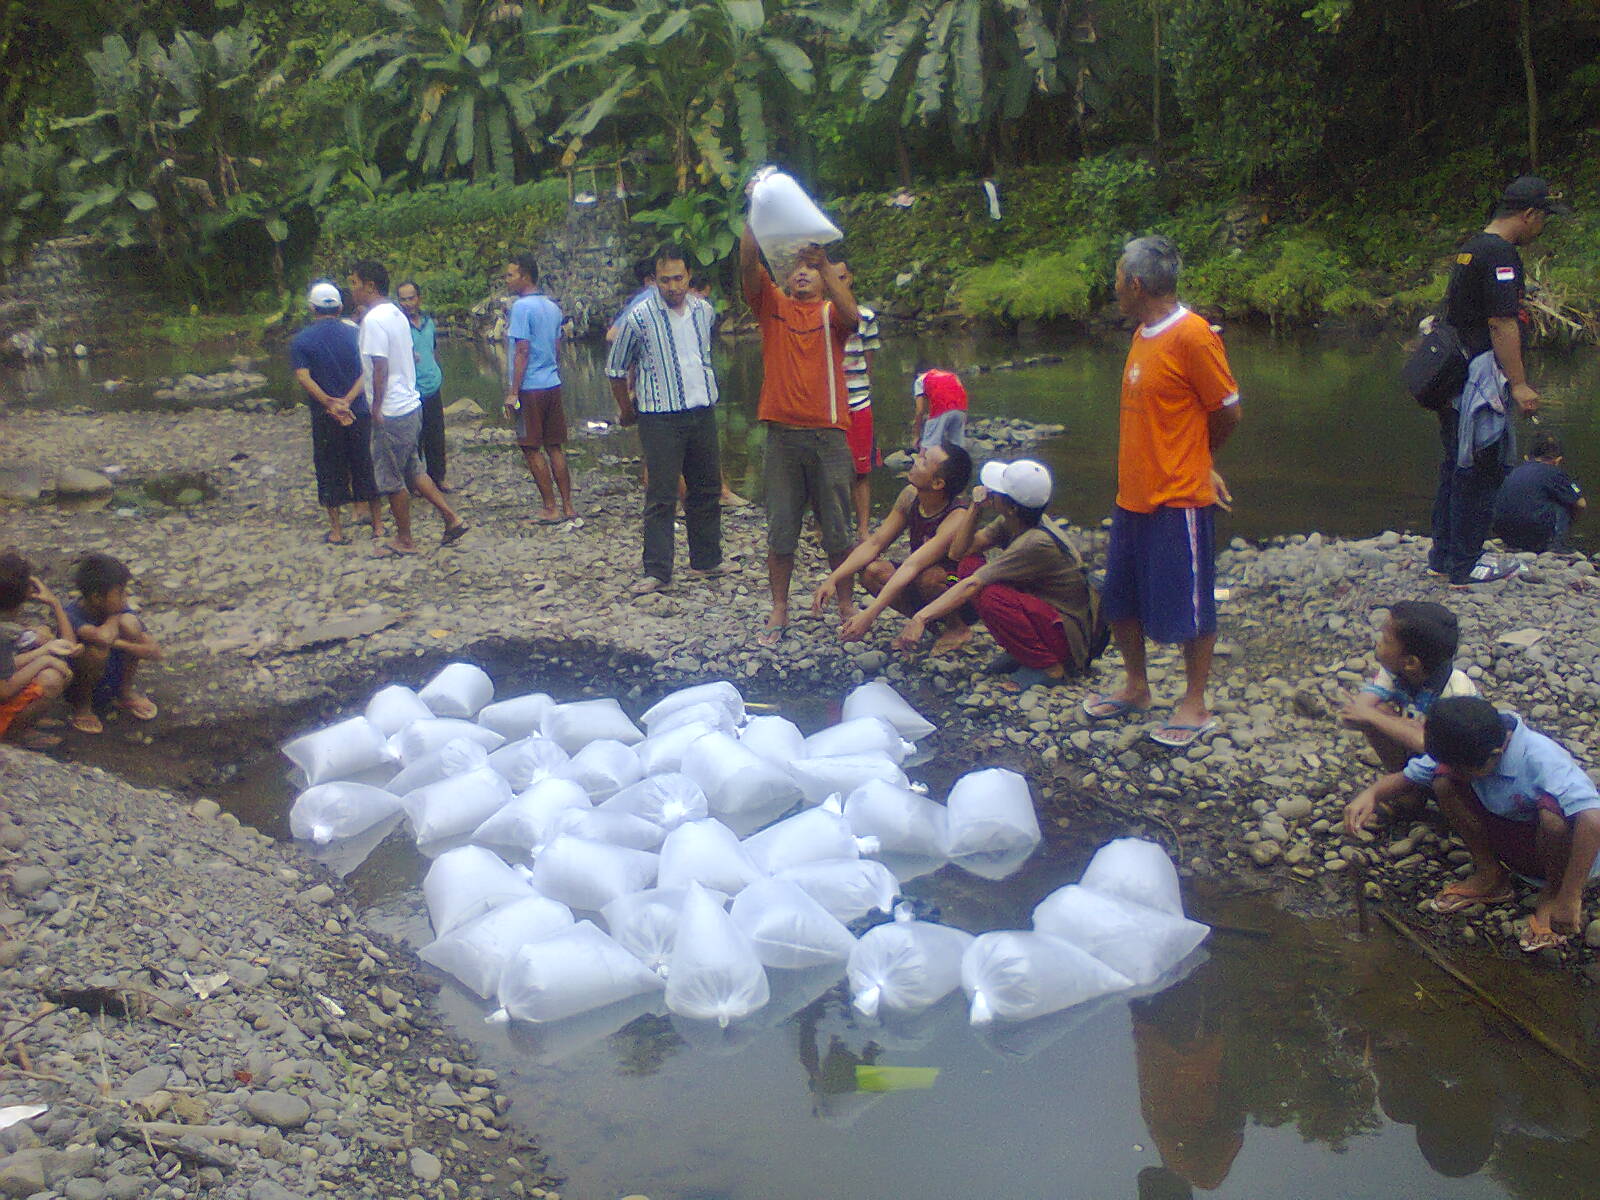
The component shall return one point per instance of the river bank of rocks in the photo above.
(266, 624)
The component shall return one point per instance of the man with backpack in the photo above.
(1032, 592)
(1483, 305)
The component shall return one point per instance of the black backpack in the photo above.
(1436, 371)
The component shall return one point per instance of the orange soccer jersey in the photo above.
(1176, 375)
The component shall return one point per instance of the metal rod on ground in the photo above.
(1538, 1035)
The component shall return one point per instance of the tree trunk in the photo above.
(1155, 75)
(1525, 45)
(902, 155)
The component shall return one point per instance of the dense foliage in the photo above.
(226, 135)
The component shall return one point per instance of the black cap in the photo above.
(1529, 191)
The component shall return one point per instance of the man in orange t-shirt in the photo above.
(805, 407)
(1179, 405)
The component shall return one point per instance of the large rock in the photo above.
(23, 482)
(280, 1109)
(26, 1172)
(79, 481)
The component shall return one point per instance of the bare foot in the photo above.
(568, 513)
(951, 640)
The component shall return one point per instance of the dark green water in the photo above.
(1329, 441)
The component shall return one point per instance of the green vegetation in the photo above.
(1313, 158)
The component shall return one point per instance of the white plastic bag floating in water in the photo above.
(712, 716)
(646, 924)
(902, 821)
(1141, 943)
(476, 952)
(877, 699)
(744, 791)
(905, 966)
(338, 810)
(842, 774)
(784, 221)
(467, 882)
(776, 739)
(814, 835)
(526, 823)
(421, 738)
(603, 768)
(459, 690)
(1137, 870)
(590, 875)
(573, 726)
(517, 717)
(863, 735)
(667, 800)
(714, 973)
(526, 761)
(663, 753)
(990, 813)
(721, 695)
(338, 751)
(613, 828)
(708, 853)
(1017, 975)
(456, 805)
(455, 757)
(392, 708)
(789, 929)
(567, 973)
(849, 888)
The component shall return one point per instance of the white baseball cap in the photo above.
(1025, 481)
(324, 295)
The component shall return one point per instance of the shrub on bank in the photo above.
(1069, 283)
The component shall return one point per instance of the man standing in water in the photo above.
(533, 388)
(388, 368)
(1180, 404)
(805, 407)
(1484, 303)
(430, 380)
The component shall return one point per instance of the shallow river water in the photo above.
(1329, 441)
(1297, 1059)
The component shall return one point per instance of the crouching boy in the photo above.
(34, 666)
(114, 641)
(1519, 802)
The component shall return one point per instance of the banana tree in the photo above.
(465, 68)
(703, 72)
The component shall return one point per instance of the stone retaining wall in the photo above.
(65, 299)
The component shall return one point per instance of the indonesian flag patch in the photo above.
(1505, 274)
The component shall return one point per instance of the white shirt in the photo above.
(386, 333)
(686, 341)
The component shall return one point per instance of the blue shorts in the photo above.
(1160, 570)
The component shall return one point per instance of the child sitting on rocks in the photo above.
(114, 641)
(1416, 653)
(34, 667)
(1519, 802)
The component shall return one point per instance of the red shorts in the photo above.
(541, 421)
(863, 445)
(10, 708)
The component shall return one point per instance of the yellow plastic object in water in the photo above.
(895, 1079)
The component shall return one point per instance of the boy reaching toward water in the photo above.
(34, 666)
(1416, 653)
(1520, 803)
(114, 642)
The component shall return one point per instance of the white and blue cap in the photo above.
(324, 296)
(1024, 482)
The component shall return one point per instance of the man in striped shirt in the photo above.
(661, 376)
(859, 351)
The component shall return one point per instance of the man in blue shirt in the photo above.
(327, 365)
(430, 380)
(1520, 803)
(1538, 502)
(533, 387)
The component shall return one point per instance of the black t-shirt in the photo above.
(1485, 282)
(1532, 493)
